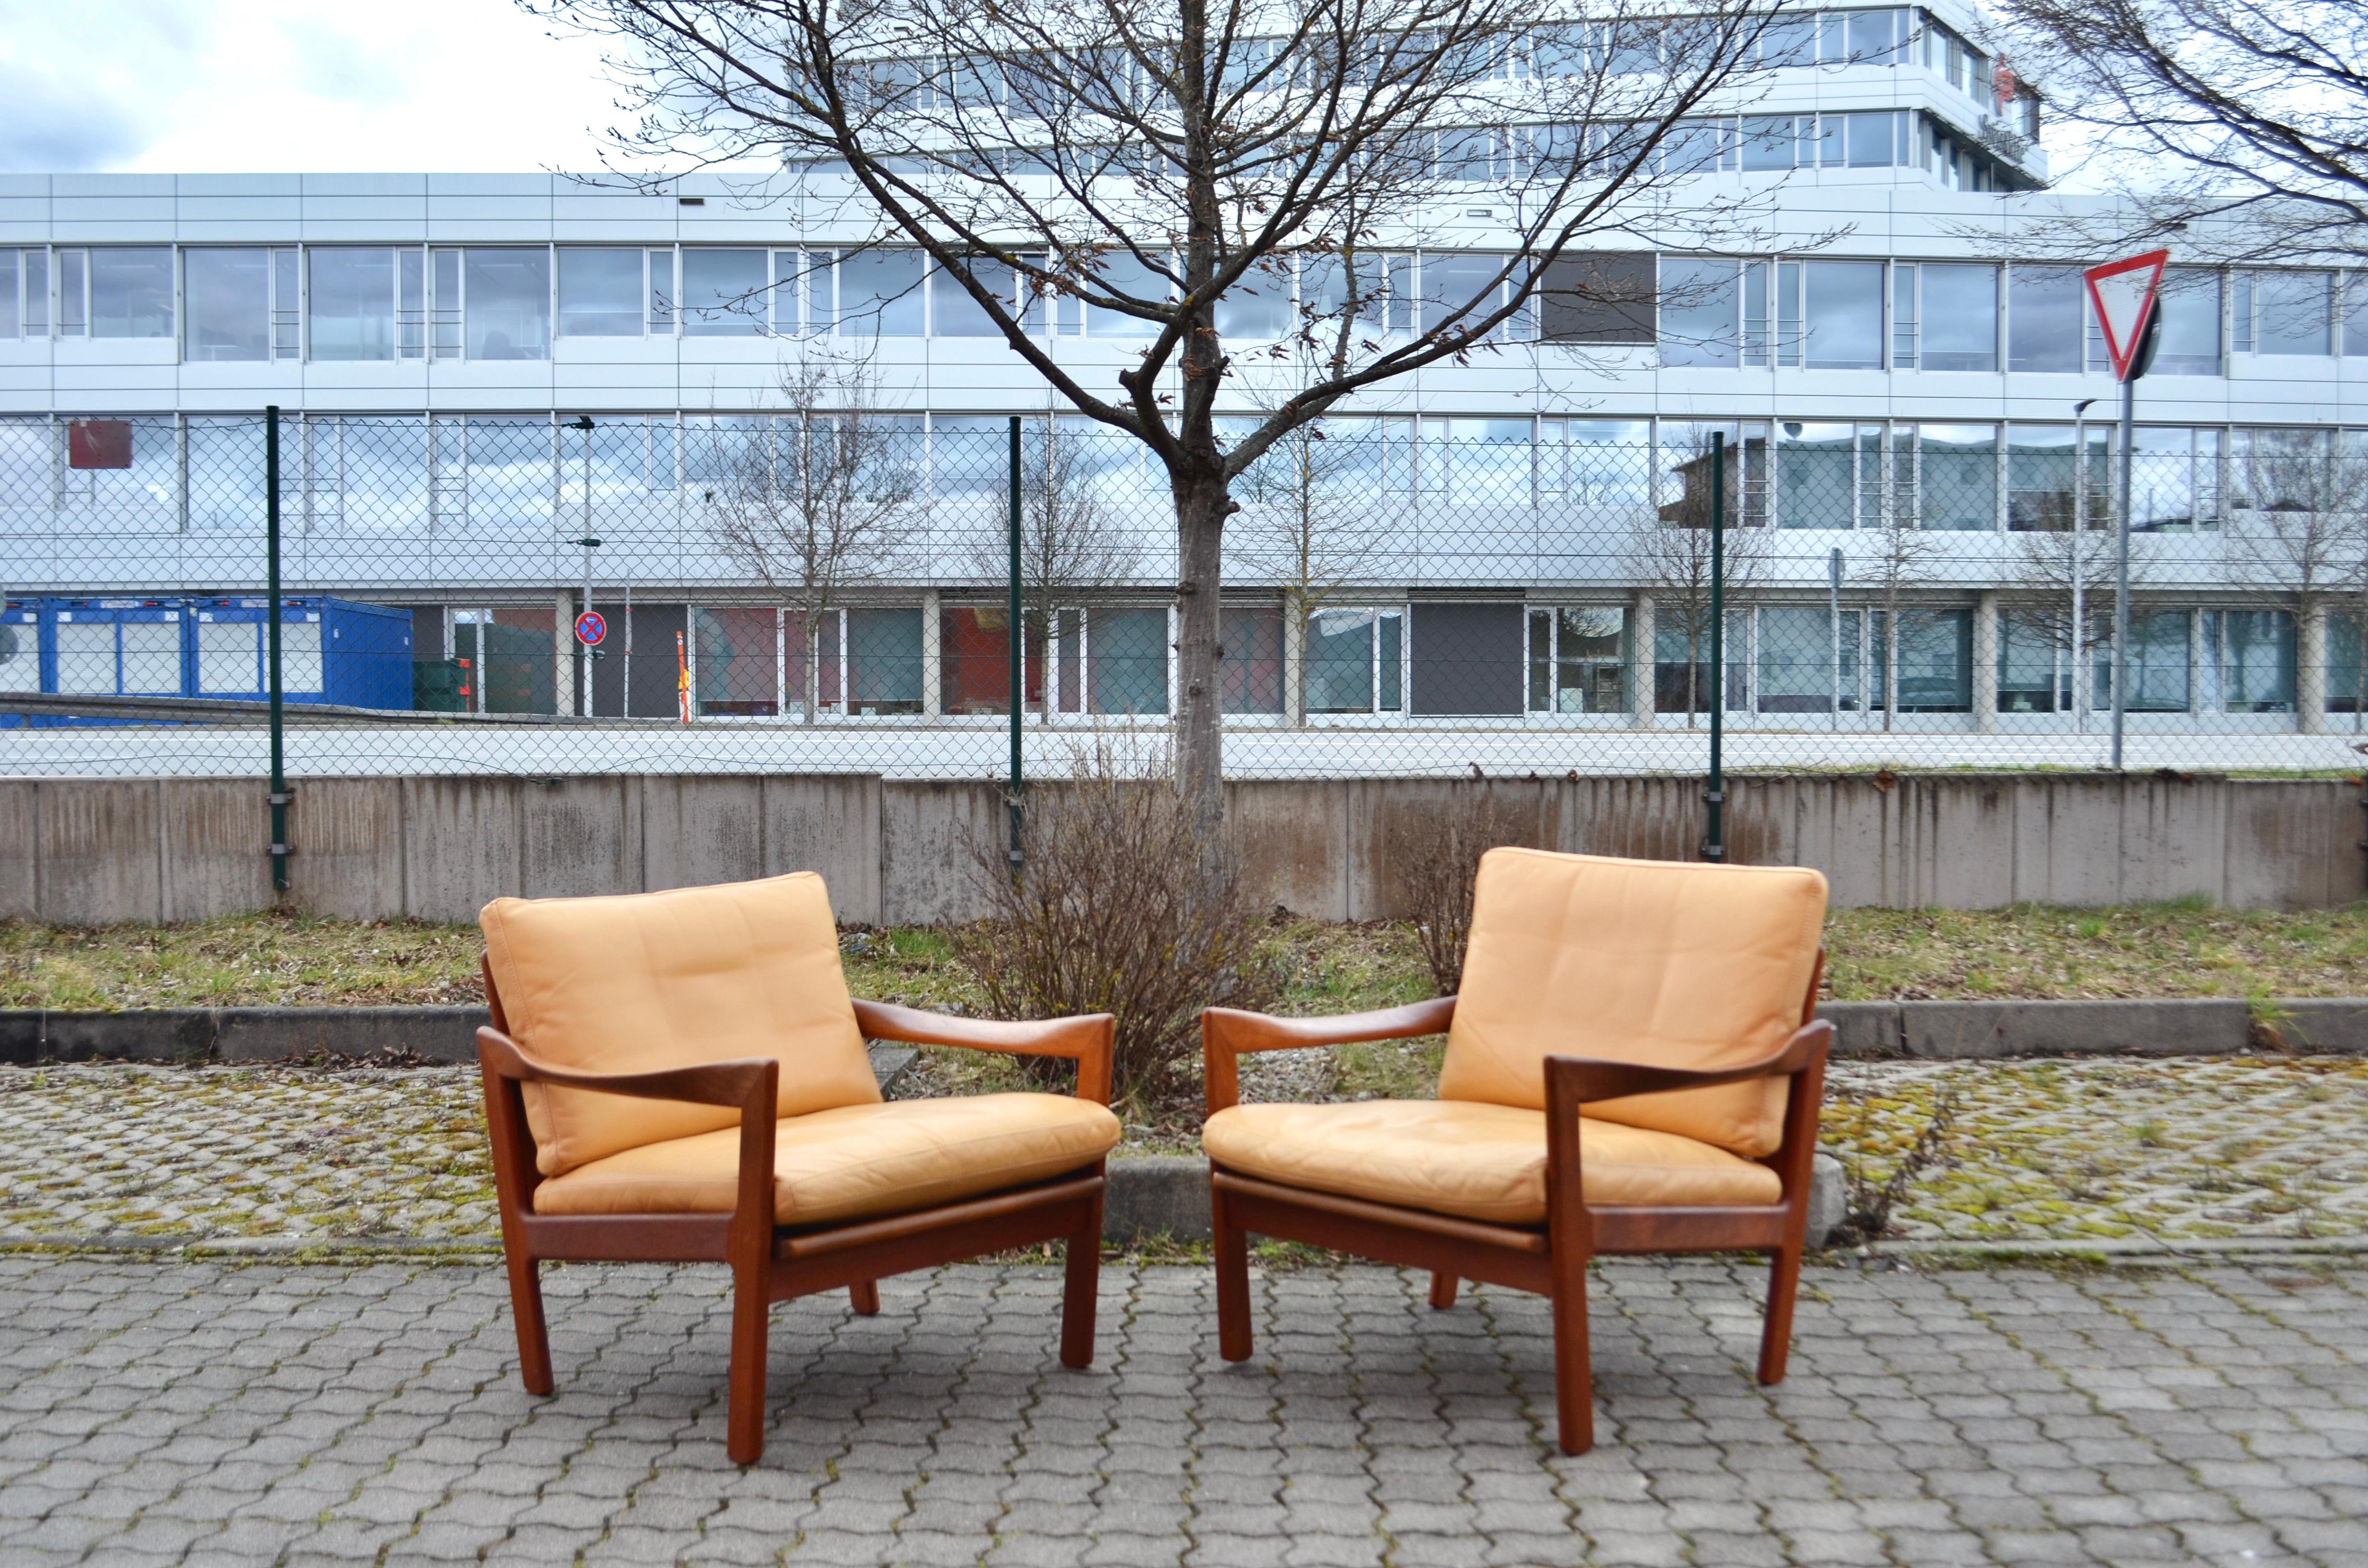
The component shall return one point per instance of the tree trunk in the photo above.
(1201, 505)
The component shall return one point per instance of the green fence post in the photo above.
(1715, 798)
(271, 644)
(1015, 634)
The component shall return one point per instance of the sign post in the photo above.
(2122, 293)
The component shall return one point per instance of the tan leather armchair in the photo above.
(681, 1077)
(1633, 1066)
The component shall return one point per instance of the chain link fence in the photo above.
(821, 592)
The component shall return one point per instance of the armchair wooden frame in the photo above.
(1551, 1259)
(773, 1262)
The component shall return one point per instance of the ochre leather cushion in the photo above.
(853, 1162)
(1661, 961)
(1482, 1162)
(650, 980)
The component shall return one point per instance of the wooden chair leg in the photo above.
(1574, 1377)
(864, 1296)
(1233, 1250)
(751, 1318)
(1776, 1334)
(526, 1308)
(1081, 1279)
(1442, 1291)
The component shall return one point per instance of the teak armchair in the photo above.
(681, 1077)
(1687, 1124)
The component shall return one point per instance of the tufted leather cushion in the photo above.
(1659, 961)
(1480, 1161)
(853, 1162)
(644, 982)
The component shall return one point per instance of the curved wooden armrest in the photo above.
(1227, 1033)
(1087, 1038)
(1579, 1080)
(740, 1083)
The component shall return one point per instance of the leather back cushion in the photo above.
(650, 980)
(1661, 961)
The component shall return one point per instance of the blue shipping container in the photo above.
(331, 650)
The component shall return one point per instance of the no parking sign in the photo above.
(590, 628)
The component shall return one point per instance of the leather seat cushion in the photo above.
(1653, 962)
(639, 982)
(1468, 1158)
(852, 1163)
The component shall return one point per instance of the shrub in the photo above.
(1109, 917)
(1440, 856)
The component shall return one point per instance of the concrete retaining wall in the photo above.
(1928, 1030)
(89, 852)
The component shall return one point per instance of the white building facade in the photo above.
(477, 372)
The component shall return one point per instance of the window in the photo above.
(601, 292)
(2355, 313)
(1956, 476)
(1128, 659)
(2160, 654)
(1597, 462)
(1697, 147)
(2347, 671)
(1578, 659)
(2249, 661)
(2031, 674)
(1126, 277)
(1685, 467)
(507, 303)
(724, 293)
(1808, 660)
(115, 293)
(974, 661)
(1324, 291)
(954, 313)
(24, 294)
(883, 662)
(1935, 661)
(1599, 299)
(1767, 142)
(880, 294)
(352, 303)
(237, 301)
(1789, 40)
(2047, 475)
(1836, 322)
(1862, 37)
(2190, 346)
(1477, 462)
(1698, 321)
(1252, 662)
(129, 293)
(1958, 310)
(664, 291)
(1257, 309)
(1461, 290)
(2293, 312)
(1829, 475)
(2174, 480)
(1681, 665)
(736, 662)
(1354, 661)
(2046, 318)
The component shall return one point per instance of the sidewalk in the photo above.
(2118, 1152)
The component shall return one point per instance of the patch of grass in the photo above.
(2187, 948)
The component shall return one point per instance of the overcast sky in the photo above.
(328, 85)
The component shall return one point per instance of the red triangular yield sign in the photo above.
(2121, 292)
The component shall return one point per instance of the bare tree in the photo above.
(2062, 580)
(1677, 560)
(1134, 165)
(1308, 524)
(1069, 542)
(2296, 541)
(1893, 560)
(2254, 111)
(816, 498)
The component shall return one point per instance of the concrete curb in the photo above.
(1940, 1031)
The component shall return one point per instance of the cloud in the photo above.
(271, 85)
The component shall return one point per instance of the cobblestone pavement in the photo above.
(195, 1412)
(2199, 1149)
